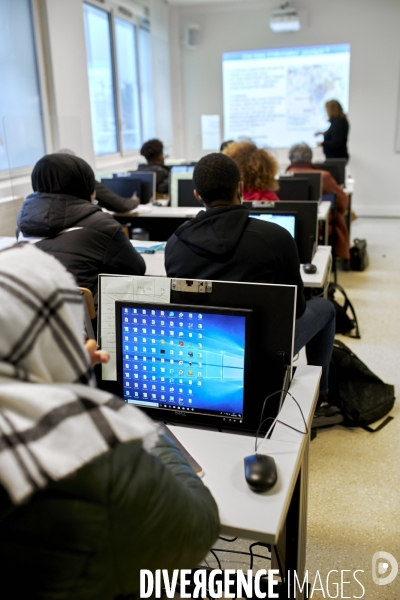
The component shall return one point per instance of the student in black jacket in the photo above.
(153, 151)
(105, 197)
(225, 243)
(62, 220)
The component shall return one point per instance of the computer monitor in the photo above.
(314, 184)
(336, 167)
(174, 187)
(185, 193)
(123, 186)
(182, 169)
(292, 188)
(177, 359)
(306, 224)
(285, 220)
(148, 181)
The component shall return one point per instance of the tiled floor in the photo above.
(354, 492)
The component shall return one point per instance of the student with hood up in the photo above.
(61, 219)
(90, 490)
(224, 243)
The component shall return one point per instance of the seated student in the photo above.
(90, 490)
(153, 151)
(257, 170)
(300, 156)
(105, 197)
(224, 243)
(61, 215)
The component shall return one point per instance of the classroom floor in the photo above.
(354, 482)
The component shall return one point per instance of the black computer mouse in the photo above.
(260, 472)
(309, 268)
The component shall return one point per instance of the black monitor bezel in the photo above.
(186, 418)
(294, 183)
(265, 211)
(193, 202)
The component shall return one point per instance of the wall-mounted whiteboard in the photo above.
(277, 97)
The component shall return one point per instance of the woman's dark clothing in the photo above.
(96, 243)
(162, 175)
(87, 537)
(335, 139)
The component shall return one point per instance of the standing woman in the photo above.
(335, 138)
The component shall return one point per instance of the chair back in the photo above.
(90, 311)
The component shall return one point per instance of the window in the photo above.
(21, 126)
(120, 82)
(125, 37)
(101, 80)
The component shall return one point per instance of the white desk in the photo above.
(7, 241)
(322, 258)
(277, 517)
(182, 212)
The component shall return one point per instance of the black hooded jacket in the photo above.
(225, 244)
(70, 227)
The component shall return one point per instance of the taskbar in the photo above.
(225, 416)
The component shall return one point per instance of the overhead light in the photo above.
(285, 18)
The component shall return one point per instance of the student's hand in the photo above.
(135, 197)
(319, 143)
(97, 357)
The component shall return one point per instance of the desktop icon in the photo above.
(181, 343)
(190, 372)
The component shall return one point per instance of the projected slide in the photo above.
(277, 97)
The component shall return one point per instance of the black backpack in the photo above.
(363, 397)
(346, 318)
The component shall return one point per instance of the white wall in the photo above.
(372, 29)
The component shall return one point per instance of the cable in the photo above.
(276, 420)
(226, 539)
(252, 554)
(240, 552)
(217, 559)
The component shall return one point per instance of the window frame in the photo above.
(8, 175)
(139, 18)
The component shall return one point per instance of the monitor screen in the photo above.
(123, 186)
(182, 169)
(186, 196)
(286, 221)
(183, 358)
(292, 188)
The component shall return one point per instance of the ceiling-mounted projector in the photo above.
(285, 18)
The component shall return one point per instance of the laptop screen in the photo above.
(185, 358)
(286, 221)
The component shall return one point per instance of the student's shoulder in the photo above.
(101, 221)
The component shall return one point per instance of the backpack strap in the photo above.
(348, 304)
(380, 426)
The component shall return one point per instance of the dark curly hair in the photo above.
(151, 149)
(257, 167)
(216, 177)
